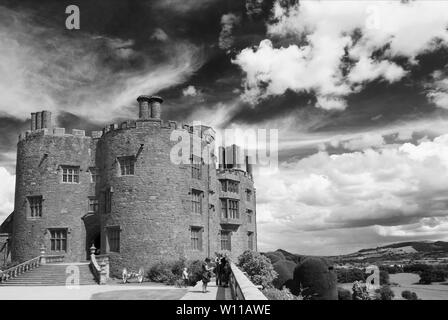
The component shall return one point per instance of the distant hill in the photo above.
(413, 250)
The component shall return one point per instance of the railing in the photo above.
(241, 287)
(20, 268)
(99, 265)
(53, 259)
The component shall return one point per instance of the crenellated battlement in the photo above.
(61, 132)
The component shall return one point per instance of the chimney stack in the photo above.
(156, 107)
(40, 120)
(143, 107)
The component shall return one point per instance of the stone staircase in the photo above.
(55, 274)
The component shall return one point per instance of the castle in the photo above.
(119, 190)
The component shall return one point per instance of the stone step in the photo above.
(52, 275)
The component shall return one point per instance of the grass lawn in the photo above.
(141, 294)
(409, 281)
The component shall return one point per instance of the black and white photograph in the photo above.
(230, 150)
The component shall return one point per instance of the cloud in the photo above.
(337, 49)
(190, 91)
(87, 75)
(159, 35)
(438, 89)
(396, 191)
(228, 22)
(6, 193)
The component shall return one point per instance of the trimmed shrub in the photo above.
(161, 272)
(344, 294)
(275, 256)
(258, 267)
(285, 272)
(276, 294)
(317, 278)
(385, 293)
(408, 295)
(195, 271)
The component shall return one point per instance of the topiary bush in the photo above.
(275, 256)
(258, 268)
(315, 278)
(285, 272)
(195, 271)
(277, 294)
(408, 295)
(344, 294)
(161, 272)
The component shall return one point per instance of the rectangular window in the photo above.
(230, 186)
(249, 216)
(250, 239)
(113, 238)
(127, 165)
(58, 239)
(248, 195)
(196, 201)
(108, 201)
(234, 212)
(224, 208)
(93, 205)
(35, 203)
(226, 240)
(196, 238)
(70, 174)
(94, 175)
(196, 167)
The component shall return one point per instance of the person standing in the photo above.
(206, 274)
(218, 270)
(185, 276)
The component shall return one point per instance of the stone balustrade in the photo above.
(241, 287)
(19, 269)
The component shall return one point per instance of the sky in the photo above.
(358, 91)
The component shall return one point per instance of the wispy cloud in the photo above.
(87, 75)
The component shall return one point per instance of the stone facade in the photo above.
(119, 190)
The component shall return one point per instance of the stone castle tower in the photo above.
(119, 190)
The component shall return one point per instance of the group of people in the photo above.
(221, 269)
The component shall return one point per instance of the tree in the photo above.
(258, 267)
(384, 277)
(285, 271)
(426, 277)
(385, 293)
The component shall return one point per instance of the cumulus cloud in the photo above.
(438, 90)
(396, 192)
(83, 74)
(6, 193)
(228, 22)
(190, 91)
(339, 48)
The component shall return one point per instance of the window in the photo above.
(226, 240)
(196, 238)
(113, 238)
(248, 195)
(70, 174)
(58, 239)
(233, 209)
(127, 165)
(196, 203)
(107, 201)
(35, 203)
(224, 208)
(249, 216)
(230, 186)
(250, 240)
(94, 175)
(196, 166)
(93, 205)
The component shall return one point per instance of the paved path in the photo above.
(85, 292)
(213, 292)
